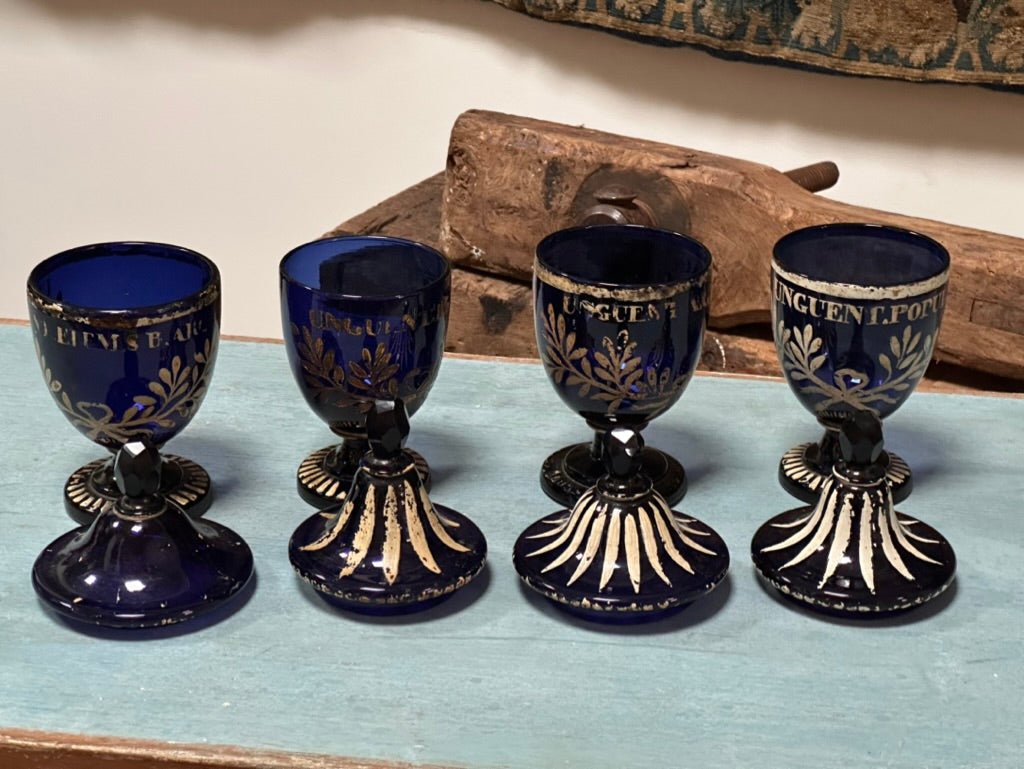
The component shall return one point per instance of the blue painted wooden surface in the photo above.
(496, 678)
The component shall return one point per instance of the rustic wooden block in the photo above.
(492, 315)
(512, 180)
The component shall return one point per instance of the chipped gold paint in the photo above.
(414, 527)
(651, 546)
(823, 524)
(591, 550)
(630, 294)
(364, 534)
(564, 530)
(616, 375)
(195, 484)
(392, 600)
(114, 319)
(355, 383)
(400, 508)
(802, 360)
(392, 537)
(840, 540)
(315, 478)
(868, 293)
(867, 567)
(177, 391)
(329, 535)
(633, 553)
(840, 605)
(577, 538)
(635, 607)
(436, 525)
(670, 546)
(597, 525)
(611, 549)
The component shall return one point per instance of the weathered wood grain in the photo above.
(492, 314)
(25, 749)
(512, 180)
(489, 315)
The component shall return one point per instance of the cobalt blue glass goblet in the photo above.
(620, 313)
(856, 312)
(364, 320)
(126, 334)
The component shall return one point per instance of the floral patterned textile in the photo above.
(957, 41)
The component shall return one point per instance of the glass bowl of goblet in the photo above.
(364, 319)
(126, 334)
(620, 313)
(856, 310)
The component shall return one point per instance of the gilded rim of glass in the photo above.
(635, 293)
(605, 291)
(134, 317)
(865, 291)
(870, 293)
(442, 279)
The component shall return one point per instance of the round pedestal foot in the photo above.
(322, 483)
(91, 488)
(801, 475)
(626, 573)
(877, 582)
(155, 571)
(422, 578)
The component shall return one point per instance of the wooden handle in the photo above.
(815, 177)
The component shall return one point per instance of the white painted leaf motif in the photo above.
(866, 512)
(901, 374)
(576, 540)
(597, 530)
(590, 551)
(611, 549)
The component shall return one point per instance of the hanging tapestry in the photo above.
(957, 41)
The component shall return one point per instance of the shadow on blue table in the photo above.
(923, 447)
(681, 619)
(446, 452)
(920, 614)
(699, 453)
(210, 452)
(158, 633)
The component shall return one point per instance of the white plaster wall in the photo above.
(244, 128)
